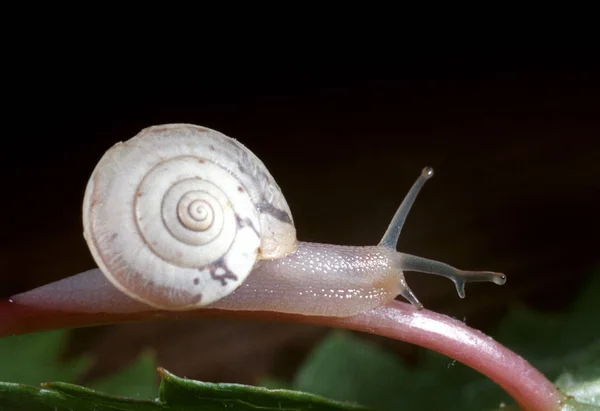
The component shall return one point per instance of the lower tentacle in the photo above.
(459, 277)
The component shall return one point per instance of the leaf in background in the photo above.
(583, 323)
(136, 381)
(35, 358)
(344, 366)
(559, 343)
(175, 394)
(587, 392)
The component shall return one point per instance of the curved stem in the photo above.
(397, 320)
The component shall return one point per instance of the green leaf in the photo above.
(175, 394)
(344, 368)
(136, 381)
(35, 358)
(178, 391)
(65, 397)
(586, 392)
(582, 380)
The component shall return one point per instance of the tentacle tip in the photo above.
(416, 304)
(460, 288)
(427, 172)
(410, 297)
(499, 278)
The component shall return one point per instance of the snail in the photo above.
(182, 217)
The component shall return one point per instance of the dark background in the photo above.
(513, 137)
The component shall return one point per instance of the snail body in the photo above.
(320, 279)
(182, 217)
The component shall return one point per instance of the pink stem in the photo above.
(397, 320)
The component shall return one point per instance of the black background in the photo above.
(513, 138)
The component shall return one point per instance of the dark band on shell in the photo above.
(274, 212)
(222, 278)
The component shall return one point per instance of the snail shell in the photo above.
(177, 216)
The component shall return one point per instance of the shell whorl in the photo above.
(177, 216)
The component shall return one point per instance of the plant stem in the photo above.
(525, 384)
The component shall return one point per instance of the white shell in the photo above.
(177, 216)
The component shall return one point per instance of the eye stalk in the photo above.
(392, 234)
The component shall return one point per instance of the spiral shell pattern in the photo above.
(177, 216)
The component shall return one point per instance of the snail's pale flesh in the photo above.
(315, 279)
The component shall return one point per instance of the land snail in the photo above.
(182, 217)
